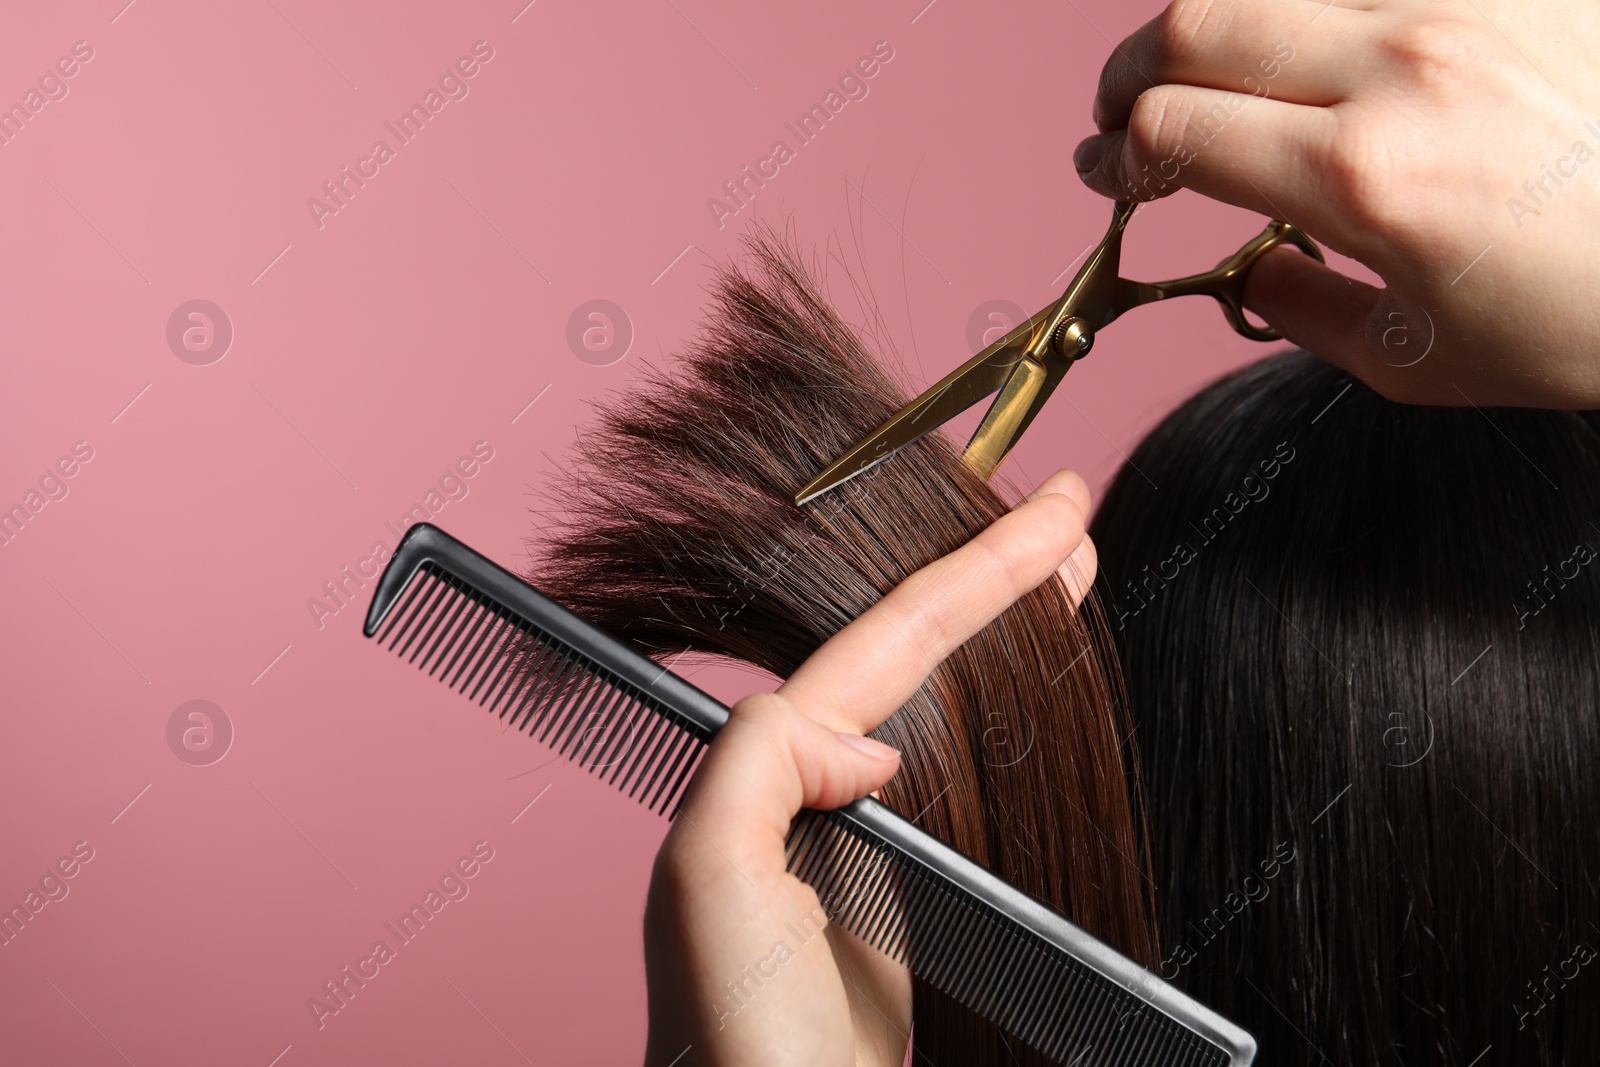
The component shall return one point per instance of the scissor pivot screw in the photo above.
(1072, 338)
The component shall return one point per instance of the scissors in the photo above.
(1026, 364)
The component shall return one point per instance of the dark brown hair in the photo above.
(679, 532)
(1362, 644)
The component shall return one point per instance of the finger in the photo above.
(1315, 306)
(1310, 303)
(871, 667)
(767, 763)
(1065, 481)
(1263, 155)
(1243, 46)
(1079, 570)
(1367, 331)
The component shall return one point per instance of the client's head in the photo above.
(680, 533)
(1361, 642)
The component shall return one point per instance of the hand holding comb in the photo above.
(1011, 958)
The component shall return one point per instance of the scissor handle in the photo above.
(1226, 280)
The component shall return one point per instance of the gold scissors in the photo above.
(1026, 364)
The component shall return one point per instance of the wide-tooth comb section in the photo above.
(631, 722)
(549, 690)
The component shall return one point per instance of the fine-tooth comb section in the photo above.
(494, 638)
(979, 954)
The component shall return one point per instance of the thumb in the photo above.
(1357, 327)
(767, 763)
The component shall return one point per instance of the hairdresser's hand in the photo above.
(740, 968)
(1452, 146)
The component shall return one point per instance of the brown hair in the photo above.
(679, 532)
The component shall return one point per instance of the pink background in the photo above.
(369, 353)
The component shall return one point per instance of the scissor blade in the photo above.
(1025, 392)
(980, 376)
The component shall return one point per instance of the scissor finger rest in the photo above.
(1226, 280)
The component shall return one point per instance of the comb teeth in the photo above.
(979, 955)
(634, 724)
(543, 687)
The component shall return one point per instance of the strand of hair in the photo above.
(561, 706)
(554, 674)
(528, 664)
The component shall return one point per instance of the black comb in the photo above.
(1006, 955)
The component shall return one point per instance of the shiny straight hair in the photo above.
(1362, 647)
(677, 531)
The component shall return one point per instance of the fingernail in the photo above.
(875, 749)
(1087, 156)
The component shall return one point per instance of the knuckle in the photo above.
(1438, 53)
(1112, 81)
(923, 628)
(1035, 539)
(1015, 567)
(1060, 518)
(1185, 30)
(1158, 123)
(996, 569)
(763, 710)
(1355, 173)
(761, 723)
